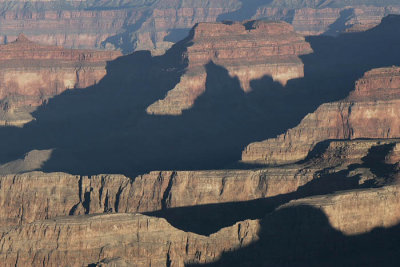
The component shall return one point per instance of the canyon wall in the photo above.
(125, 239)
(156, 24)
(371, 111)
(52, 195)
(31, 73)
(247, 50)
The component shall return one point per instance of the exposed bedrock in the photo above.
(31, 73)
(248, 51)
(118, 240)
(329, 20)
(371, 111)
(109, 131)
(337, 165)
(319, 223)
(157, 24)
(329, 230)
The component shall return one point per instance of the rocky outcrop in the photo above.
(59, 194)
(371, 111)
(156, 24)
(143, 240)
(32, 196)
(350, 212)
(129, 239)
(248, 51)
(134, 25)
(328, 18)
(31, 73)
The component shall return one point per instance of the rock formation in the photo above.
(248, 51)
(142, 240)
(371, 111)
(121, 239)
(156, 24)
(32, 73)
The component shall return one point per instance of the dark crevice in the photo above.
(86, 201)
(164, 200)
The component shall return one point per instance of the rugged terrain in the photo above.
(32, 73)
(157, 24)
(371, 111)
(197, 185)
(248, 51)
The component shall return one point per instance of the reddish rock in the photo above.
(30, 73)
(248, 51)
(371, 111)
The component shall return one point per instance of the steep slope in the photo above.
(247, 50)
(32, 73)
(371, 111)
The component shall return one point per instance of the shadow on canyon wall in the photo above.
(210, 218)
(105, 128)
(247, 10)
(340, 25)
(303, 236)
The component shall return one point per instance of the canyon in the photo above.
(156, 24)
(244, 144)
(32, 73)
(265, 48)
(369, 112)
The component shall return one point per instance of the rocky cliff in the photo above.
(371, 111)
(31, 73)
(125, 239)
(247, 50)
(156, 24)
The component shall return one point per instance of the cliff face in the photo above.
(156, 24)
(58, 194)
(329, 18)
(371, 111)
(32, 73)
(248, 51)
(126, 239)
(107, 24)
(117, 239)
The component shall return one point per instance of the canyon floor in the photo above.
(243, 144)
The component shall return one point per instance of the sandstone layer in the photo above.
(31, 73)
(32, 196)
(128, 239)
(118, 240)
(371, 111)
(247, 50)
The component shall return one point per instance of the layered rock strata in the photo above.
(31, 73)
(156, 24)
(59, 194)
(330, 19)
(371, 111)
(141, 240)
(248, 51)
(118, 240)
(350, 212)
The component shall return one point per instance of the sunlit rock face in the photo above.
(31, 73)
(248, 50)
(371, 111)
(127, 26)
(330, 17)
(156, 24)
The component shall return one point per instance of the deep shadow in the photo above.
(105, 129)
(340, 24)
(303, 236)
(246, 11)
(208, 219)
(123, 41)
(176, 35)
